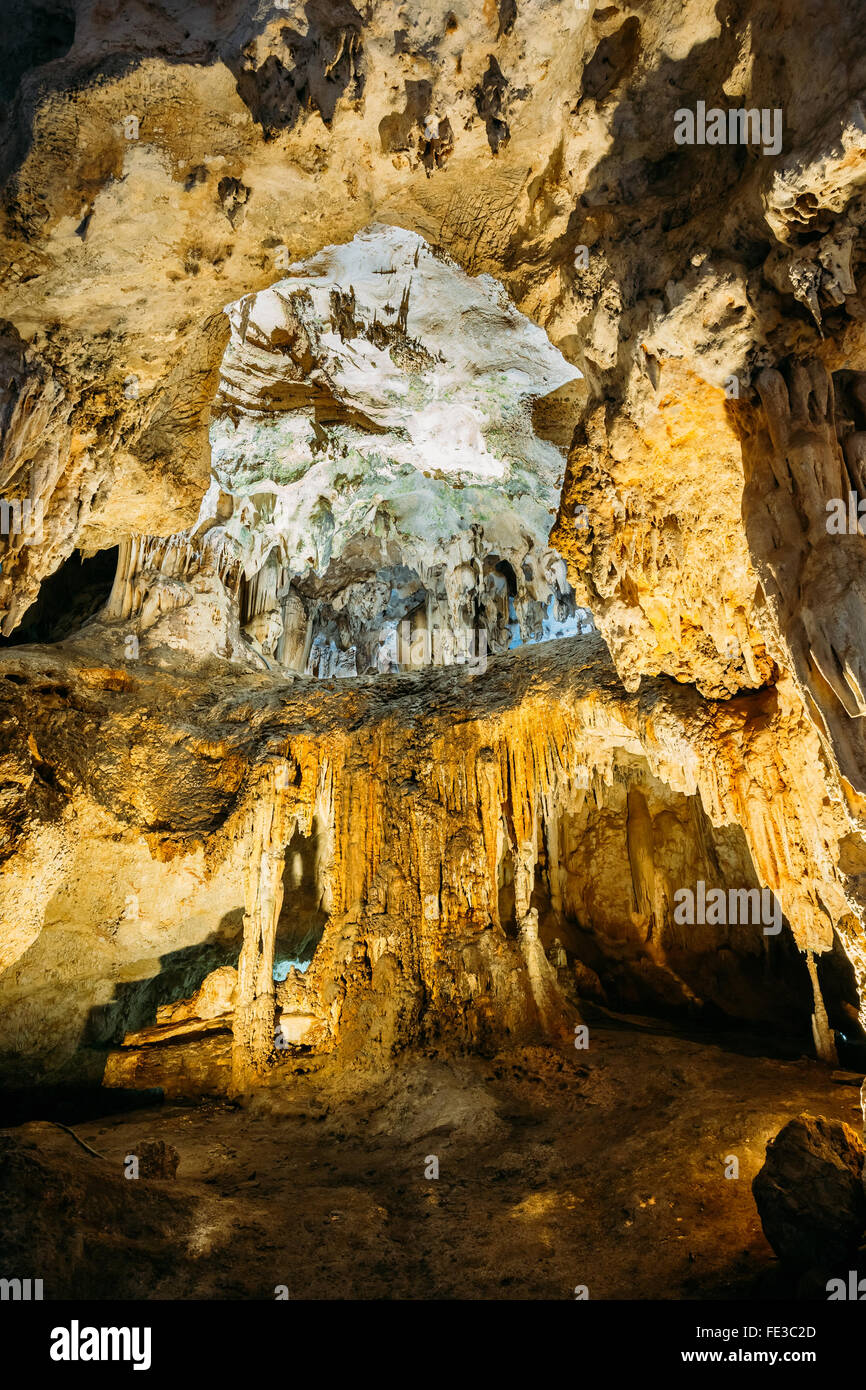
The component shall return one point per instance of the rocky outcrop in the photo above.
(214, 998)
(810, 1193)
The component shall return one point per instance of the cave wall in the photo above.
(709, 295)
(188, 794)
(624, 925)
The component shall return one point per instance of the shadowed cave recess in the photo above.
(431, 642)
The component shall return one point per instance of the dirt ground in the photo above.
(603, 1168)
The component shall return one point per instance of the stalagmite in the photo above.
(542, 979)
(272, 820)
(823, 1037)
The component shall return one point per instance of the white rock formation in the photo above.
(374, 461)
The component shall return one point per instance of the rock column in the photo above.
(272, 820)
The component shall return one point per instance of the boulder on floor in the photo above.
(810, 1194)
(156, 1159)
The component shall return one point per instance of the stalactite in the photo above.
(825, 1047)
(418, 810)
(855, 949)
(639, 839)
(121, 601)
(294, 649)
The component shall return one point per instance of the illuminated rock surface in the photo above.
(337, 343)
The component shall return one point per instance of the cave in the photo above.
(69, 597)
(39, 32)
(432, 670)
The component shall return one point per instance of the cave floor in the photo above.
(557, 1168)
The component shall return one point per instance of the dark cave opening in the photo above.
(745, 980)
(67, 599)
(507, 908)
(302, 917)
(506, 569)
(839, 991)
(35, 32)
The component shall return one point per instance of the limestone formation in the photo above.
(436, 813)
(810, 1192)
(432, 599)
